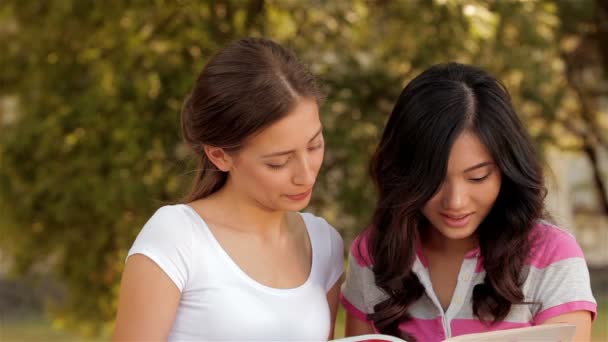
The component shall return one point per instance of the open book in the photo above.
(549, 333)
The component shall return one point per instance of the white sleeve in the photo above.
(336, 258)
(167, 240)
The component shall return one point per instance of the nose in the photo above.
(454, 196)
(305, 173)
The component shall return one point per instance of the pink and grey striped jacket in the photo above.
(557, 279)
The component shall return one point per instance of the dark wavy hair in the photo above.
(410, 165)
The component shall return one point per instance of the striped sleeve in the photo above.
(560, 276)
(359, 293)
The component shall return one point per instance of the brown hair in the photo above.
(247, 86)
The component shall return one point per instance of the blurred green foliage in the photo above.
(95, 146)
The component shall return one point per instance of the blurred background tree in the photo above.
(583, 38)
(89, 130)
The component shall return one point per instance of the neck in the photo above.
(231, 208)
(434, 241)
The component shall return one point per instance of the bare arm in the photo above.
(148, 301)
(355, 326)
(332, 299)
(582, 320)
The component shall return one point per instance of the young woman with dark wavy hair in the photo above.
(457, 243)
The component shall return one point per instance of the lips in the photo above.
(456, 220)
(300, 196)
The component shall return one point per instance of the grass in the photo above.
(339, 329)
(37, 329)
(600, 326)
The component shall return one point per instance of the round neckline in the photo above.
(215, 244)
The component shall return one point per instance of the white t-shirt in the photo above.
(221, 302)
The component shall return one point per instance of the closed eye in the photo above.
(276, 166)
(480, 179)
(316, 147)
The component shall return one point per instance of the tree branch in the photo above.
(591, 152)
(255, 8)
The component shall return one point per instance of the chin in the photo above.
(457, 233)
(283, 206)
(296, 207)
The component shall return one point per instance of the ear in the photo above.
(219, 157)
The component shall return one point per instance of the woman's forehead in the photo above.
(297, 128)
(467, 151)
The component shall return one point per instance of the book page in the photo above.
(546, 333)
(561, 332)
(370, 338)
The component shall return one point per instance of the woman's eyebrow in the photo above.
(281, 153)
(477, 166)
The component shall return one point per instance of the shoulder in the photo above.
(167, 240)
(326, 242)
(327, 248)
(318, 226)
(559, 277)
(169, 214)
(551, 244)
(359, 249)
(169, 224)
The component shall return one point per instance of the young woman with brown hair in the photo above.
(237, 261)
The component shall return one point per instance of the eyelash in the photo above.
(278, 167)
(316, 147)
(479, 180)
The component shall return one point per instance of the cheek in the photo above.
(269, 179)
(317, 161)
(257, 177)
(488, 195)
(431, 206)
